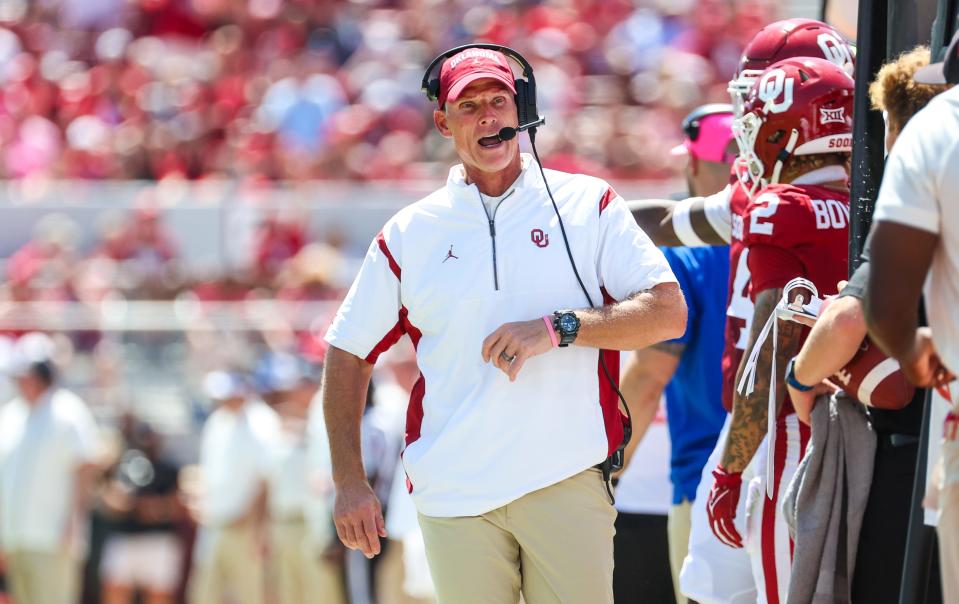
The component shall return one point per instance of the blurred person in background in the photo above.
(143, 551)
(46, 263)
(236, 446)
(688, 369)
(836, 337)
(145, 251)
(295, 569)
(48, 453)
(913, 251)
(278, 238)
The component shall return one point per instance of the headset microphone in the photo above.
(506, 134)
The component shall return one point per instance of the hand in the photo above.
(805, 402)
(922, 365)
(358, 517)
(511, 344)
(721, 506)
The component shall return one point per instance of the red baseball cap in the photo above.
(463, 68)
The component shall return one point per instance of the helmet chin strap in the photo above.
(783, 156)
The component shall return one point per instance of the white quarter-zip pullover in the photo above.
(448, 275)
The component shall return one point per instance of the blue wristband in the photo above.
(791, 377)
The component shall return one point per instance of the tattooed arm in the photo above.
(749, 421)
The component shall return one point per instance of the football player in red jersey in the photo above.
(699, 221)
(711, 572)
(795, 138)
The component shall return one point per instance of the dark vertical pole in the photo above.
(868, 127)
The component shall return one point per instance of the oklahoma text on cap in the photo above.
(470, 65)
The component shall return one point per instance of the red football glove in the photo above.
(721, 506)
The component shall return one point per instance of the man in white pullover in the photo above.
(508, 420)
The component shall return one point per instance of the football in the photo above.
(875, 379)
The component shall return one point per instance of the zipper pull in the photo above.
(492, 228)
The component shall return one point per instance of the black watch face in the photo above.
(568, 323)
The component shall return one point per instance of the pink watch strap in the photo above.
(552, 332)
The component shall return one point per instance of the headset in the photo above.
(530, 120)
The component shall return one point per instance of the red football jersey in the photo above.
(794, 231)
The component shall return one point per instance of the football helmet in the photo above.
(800, 106)
(784, 40)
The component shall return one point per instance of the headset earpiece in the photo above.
(433, 89)
(526, 101)
(522, 102)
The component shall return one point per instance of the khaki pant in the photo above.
(302, 576)
(43, 577)
(227, 562)
(680, 520)
(948, 531)
(553, 545)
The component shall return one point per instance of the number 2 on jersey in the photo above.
(763, 228)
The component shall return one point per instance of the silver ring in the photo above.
(506, 357)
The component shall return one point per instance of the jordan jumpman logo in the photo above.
(449, 255)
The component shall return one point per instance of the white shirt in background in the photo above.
(644, 486)
(235, 453)
(920, 189)
(289, 477)
(41, 449)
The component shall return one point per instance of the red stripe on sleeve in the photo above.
(608, 197)
(401, 326)
(381, 241)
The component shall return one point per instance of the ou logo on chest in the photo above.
(538, 237)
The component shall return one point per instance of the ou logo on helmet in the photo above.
(773, 85)
(834, 51)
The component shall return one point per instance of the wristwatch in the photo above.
(791, 377)
(566, 324)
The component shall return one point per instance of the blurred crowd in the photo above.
(296, 89)
(134, 255)
(239, 505)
